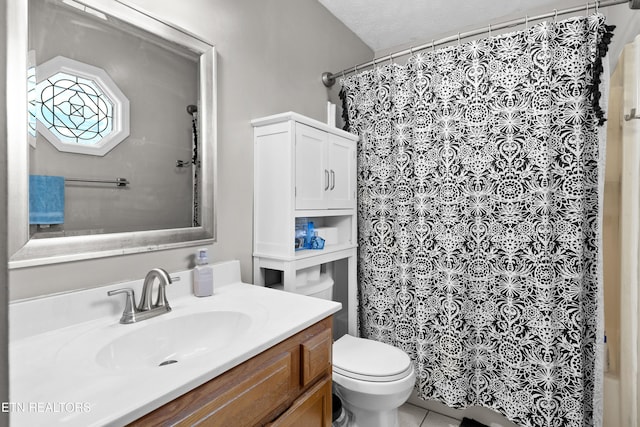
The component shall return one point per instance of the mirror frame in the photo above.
(26, 252)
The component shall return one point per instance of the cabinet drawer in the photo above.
(312, 409)
(316, 357)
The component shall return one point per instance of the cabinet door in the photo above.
(312, 176)
(312, 409)
(342, 173)
(316, 357)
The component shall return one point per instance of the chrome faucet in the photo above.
(145, 310)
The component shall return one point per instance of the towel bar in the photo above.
(119, 182)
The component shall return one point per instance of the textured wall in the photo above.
(271, 54)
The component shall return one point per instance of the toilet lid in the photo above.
(369, 360)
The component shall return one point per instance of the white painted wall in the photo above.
(627, 24)
(271, 54)
(4, 290)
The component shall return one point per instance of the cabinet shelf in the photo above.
(303, 213)
(307, 253)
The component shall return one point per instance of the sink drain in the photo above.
(168, 362)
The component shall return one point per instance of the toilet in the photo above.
(372, 378)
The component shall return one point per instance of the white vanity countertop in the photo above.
(55, 378)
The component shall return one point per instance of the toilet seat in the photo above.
(369, 360)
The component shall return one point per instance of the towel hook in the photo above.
(631, 116)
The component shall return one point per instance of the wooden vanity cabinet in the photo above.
(285, 386)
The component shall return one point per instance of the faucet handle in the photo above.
(129, 313)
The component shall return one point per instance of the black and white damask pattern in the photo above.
(478, 212)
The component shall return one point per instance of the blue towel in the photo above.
(46, 199)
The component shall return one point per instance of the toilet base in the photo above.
(363, 418)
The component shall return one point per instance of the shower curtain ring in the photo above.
(391, 58)
(597, 6)
(489, 30)
(458, 39)
(555, 15)
(526, 22)
(411, 50)
(586, 13)
(433, 45)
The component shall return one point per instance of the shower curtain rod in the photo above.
(330, 78)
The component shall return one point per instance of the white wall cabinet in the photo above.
(325, 166)
(303, 168)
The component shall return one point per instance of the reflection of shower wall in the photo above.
(611, 221)
(159, 84)
(611, 255)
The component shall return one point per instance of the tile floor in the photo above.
(413, 416)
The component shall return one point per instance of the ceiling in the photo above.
(387, 24)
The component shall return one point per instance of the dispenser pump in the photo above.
(203, 257)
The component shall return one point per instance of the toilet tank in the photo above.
(321, 288)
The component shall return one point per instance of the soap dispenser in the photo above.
(202, 275)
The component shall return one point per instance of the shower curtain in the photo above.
(479, 218)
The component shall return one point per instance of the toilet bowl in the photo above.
(373, 379)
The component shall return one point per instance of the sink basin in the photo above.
(173, 340)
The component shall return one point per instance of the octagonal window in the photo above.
(78, 108)
(74, 109)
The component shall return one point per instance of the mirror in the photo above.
(104, 112)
